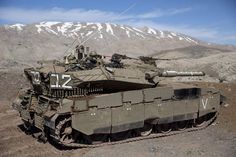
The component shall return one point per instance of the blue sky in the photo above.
(209, 20)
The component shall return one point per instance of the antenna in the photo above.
(70, 47)
(130, 7)
(89, 37)
(73, 43)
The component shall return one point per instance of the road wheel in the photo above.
(146, 130)
(182, 125)
(164, 128)
(200, 121)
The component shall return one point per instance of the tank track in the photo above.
(139, 138)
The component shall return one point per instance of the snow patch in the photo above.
(151, 31)
(99, 26)
(191, 40)
(89, 32)
(162, 34)
(63, 29)
(51, 31)
(89, 23)
(17, 26)
(109, 29)
(50, 23)
(135, 31)
(127, 32)
(138, 34)
(187, 40)
(47, 26)
(75, 34)
(180, 38)
(82, 35)
(173, 34)
(77, 28)
(38, 28)
(169, 36)
(130, 29)
(122, 27)
(138, 30)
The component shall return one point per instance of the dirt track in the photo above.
(218, 139)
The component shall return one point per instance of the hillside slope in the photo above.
(47, 40)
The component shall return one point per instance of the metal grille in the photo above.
(74, 92)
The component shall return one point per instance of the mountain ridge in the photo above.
(50, 40)
(70, 29)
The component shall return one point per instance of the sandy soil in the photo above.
(219, 139)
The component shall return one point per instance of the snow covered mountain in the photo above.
(81, 30)
(50, 40)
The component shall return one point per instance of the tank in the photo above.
(91, 100)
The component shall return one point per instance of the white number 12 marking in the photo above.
(65, 78)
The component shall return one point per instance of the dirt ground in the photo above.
(219, 139)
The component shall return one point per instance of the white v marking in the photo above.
(204, 103)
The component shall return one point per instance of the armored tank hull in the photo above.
(85, 121)
(88, 101)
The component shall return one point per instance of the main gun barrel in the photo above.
(176, 73)
(172, 74)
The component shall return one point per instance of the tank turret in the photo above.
(91, 74)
